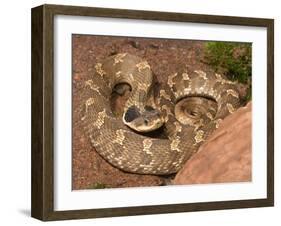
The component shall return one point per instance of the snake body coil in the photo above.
(189, 107)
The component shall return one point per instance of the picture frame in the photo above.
(43, 110)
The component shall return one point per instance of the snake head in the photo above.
(148, 120)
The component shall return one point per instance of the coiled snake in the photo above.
(189, 108)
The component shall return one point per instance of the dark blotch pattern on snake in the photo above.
(190, 106)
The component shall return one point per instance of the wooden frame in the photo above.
(43, 119)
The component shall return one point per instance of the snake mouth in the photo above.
(142, 121)
(140, 126)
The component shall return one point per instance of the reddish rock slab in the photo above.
(225, 156)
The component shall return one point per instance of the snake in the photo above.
(188, 107)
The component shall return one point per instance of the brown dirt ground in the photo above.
(90, 170)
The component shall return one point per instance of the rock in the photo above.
(225, 156)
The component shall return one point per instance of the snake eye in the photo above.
(145, 121)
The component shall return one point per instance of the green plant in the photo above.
(231, 59)
(248, 96)
(97, 186)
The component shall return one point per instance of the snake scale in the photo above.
(189, 106)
